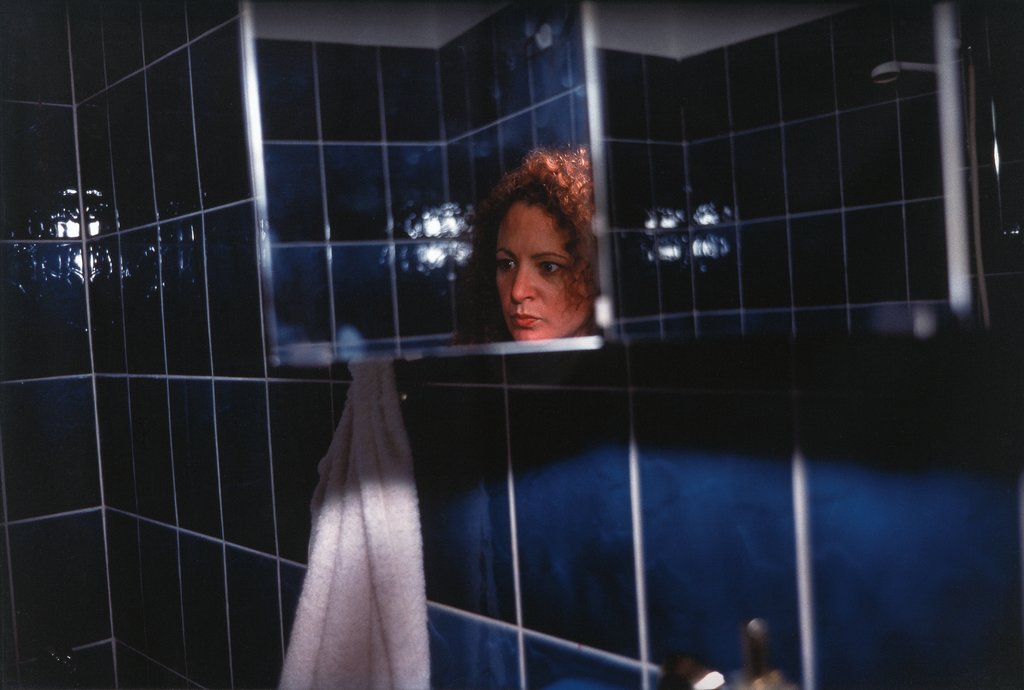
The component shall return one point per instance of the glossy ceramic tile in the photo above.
(122, 38)
(753, 84)
(140, 289)
(60, 591)
(715, 267)
(812, 165)
(236, 326)
(362, 292)
(425, 276)
(709, 173)
(921, 150)
(43, 310)
(819, 261)
(219, 119)
(409, 79)
(550, 664)
(183, 275)
(203, 15)
(203, 608)
(637, 275)
(295, 208)
(553, 124)
(764, 256)
(713, 496)
(757, 158)
(630, 184)
(909, 607)
(664, 100)
(161, 595)
(452, 67)
(38, 178)
(913, 41)
(1004, 27)
(253, 620)
(416, 176)
(287, 91)
(806, 79)
(172, 142)
(85, 20)
(354, 177)
(130, 153)
(604, 367)
(125, 579)
(626, 113)
(49, 447)
(462, 483)
(194, 454)
(869, 140)
(154, 471)
(875, 256)
(94, 160)
(137, 670)
(705, 105)
(485, 153)
(349, 92)
(557, 502)
(516, 135)
(246, 492)
(301, 428)
(926, 256)
(471, 653)
(115, 432)
(163, 28)
(301, 297)
(476, 47)
(558, 67)
(861, 40)
(34, 52)
(513, 80)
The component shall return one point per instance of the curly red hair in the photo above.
(558, 181)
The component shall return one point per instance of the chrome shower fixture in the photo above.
(888, 72)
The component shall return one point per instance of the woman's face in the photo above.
(534, 276)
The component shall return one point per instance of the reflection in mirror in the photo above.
(759, 180)
(376, 128)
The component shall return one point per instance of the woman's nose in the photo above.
(522, 286)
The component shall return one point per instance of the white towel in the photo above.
(362, 616)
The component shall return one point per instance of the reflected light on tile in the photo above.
(707, 214)
(446, 220)
(665, 218)
(711, 247)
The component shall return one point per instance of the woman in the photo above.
(531, 276)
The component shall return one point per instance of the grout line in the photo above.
(510, 475)
(842, 180)
(785, 189)
(804, 568)
(9, 566)
(1020, 510)
(903, 183)
(86, 291)
(213, 401)
(636, 516)
(388, 209)
(737, 211)
(166, 382)
(328, 253)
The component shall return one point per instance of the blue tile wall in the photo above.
(882, 425)
(157, 470)
(787, 125)
(396, 136)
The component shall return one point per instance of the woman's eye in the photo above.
(506, 265)
(549, 267)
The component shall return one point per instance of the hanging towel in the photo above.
(362, 616)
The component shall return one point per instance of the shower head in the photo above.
(888, 72)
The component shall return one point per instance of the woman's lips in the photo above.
(524, 320)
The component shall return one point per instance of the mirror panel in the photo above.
(759, 181)
(376, 127)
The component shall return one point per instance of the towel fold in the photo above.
(361, 620)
